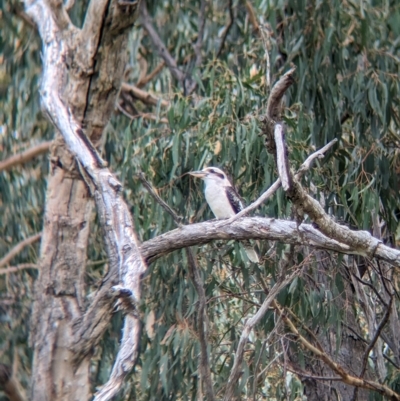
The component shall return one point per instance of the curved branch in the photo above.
(18, 248)
(338, 369)
(266, 229)
(25, 156)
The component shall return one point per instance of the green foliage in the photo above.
(347, 59)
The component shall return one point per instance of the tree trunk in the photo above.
(89, 84)
(60, 288)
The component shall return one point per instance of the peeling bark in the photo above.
(88, 82)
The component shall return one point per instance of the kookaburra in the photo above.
(223, 199)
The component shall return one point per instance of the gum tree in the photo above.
(298, 102)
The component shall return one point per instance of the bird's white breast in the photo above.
(218, 201)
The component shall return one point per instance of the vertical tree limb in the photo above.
(248, 327)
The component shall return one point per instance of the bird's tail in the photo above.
(250, 252)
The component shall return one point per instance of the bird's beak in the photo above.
(199, 174)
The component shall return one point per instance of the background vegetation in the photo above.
(347, 56)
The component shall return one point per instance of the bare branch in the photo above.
(373, 341)
(265, 196)
(145, 116)
(18, 248)
(304, 203)
(161, 48)
(25, 156)
(142, 82)
(248, 327)
(17, 268)
(227, 28)
(266, 229)
(274, 187)
(320, 154)
(276, 95)
(153, 192)
(282, 161)
(346, 377)
(143, 96)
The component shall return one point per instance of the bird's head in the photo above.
(212, 174)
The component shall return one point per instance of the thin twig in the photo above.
(255, 378)
(202, 325)
(376, 336)
(18, 248)
(199, 41)
(25, 156)
(311, 376)
(227, 28)
(187, 83)
(17, 268)
(153, 192)
(319, 154)
(144, 81)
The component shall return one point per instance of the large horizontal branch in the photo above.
(25, 156)
(264, 229)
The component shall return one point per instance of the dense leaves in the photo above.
(348, 62)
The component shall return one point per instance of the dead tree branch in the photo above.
(304, 203)
(248, 327)
(25, 156)
(374, 339)
(17, 268)
(122, 245)
(186, 81)
(284, 231)
(346, 377)
(18, 248)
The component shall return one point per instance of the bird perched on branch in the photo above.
(223, 199)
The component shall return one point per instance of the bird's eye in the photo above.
(212, 170)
